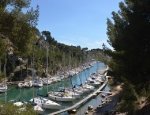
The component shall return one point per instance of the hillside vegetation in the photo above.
(23, 46)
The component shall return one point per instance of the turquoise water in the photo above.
(26, 94)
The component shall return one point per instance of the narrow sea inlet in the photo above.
(25, 94)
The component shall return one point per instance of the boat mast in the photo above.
(0, 66)
(5, 77)
(97, 67)
(47, 50)
(32, 63)
(80, 80)
(20, 80)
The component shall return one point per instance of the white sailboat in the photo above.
(37, 83)
(18, 101)
(3, 88)
(28, 84)
(25, 84)
(61, 96)
(45, 103)
(65, 95)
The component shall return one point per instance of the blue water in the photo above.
(25, 94)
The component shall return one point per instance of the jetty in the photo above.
(106, 92)
(81, 102)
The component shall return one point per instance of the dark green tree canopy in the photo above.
(17, 22)
(129, 35)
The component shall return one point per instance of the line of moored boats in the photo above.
(39, 82)
(63, 95)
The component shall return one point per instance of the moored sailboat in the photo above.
(3, 88)
(61, 96)
(45, 103)
(37, 83)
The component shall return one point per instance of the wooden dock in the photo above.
(81, 102)
(106, 92)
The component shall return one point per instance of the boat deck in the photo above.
(81, 102)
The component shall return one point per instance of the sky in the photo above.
(76, 22)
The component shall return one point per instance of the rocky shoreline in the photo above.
(109, 107)
(60, 75)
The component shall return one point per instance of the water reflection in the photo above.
(26, 94)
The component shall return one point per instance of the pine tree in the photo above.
(129, 35)
(18, 25)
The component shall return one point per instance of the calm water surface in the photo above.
(25, 94)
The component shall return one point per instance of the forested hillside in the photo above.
(22, 45)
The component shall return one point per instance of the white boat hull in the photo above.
(58, 98)
(3, 89)
(46, 103)
(47, 106)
